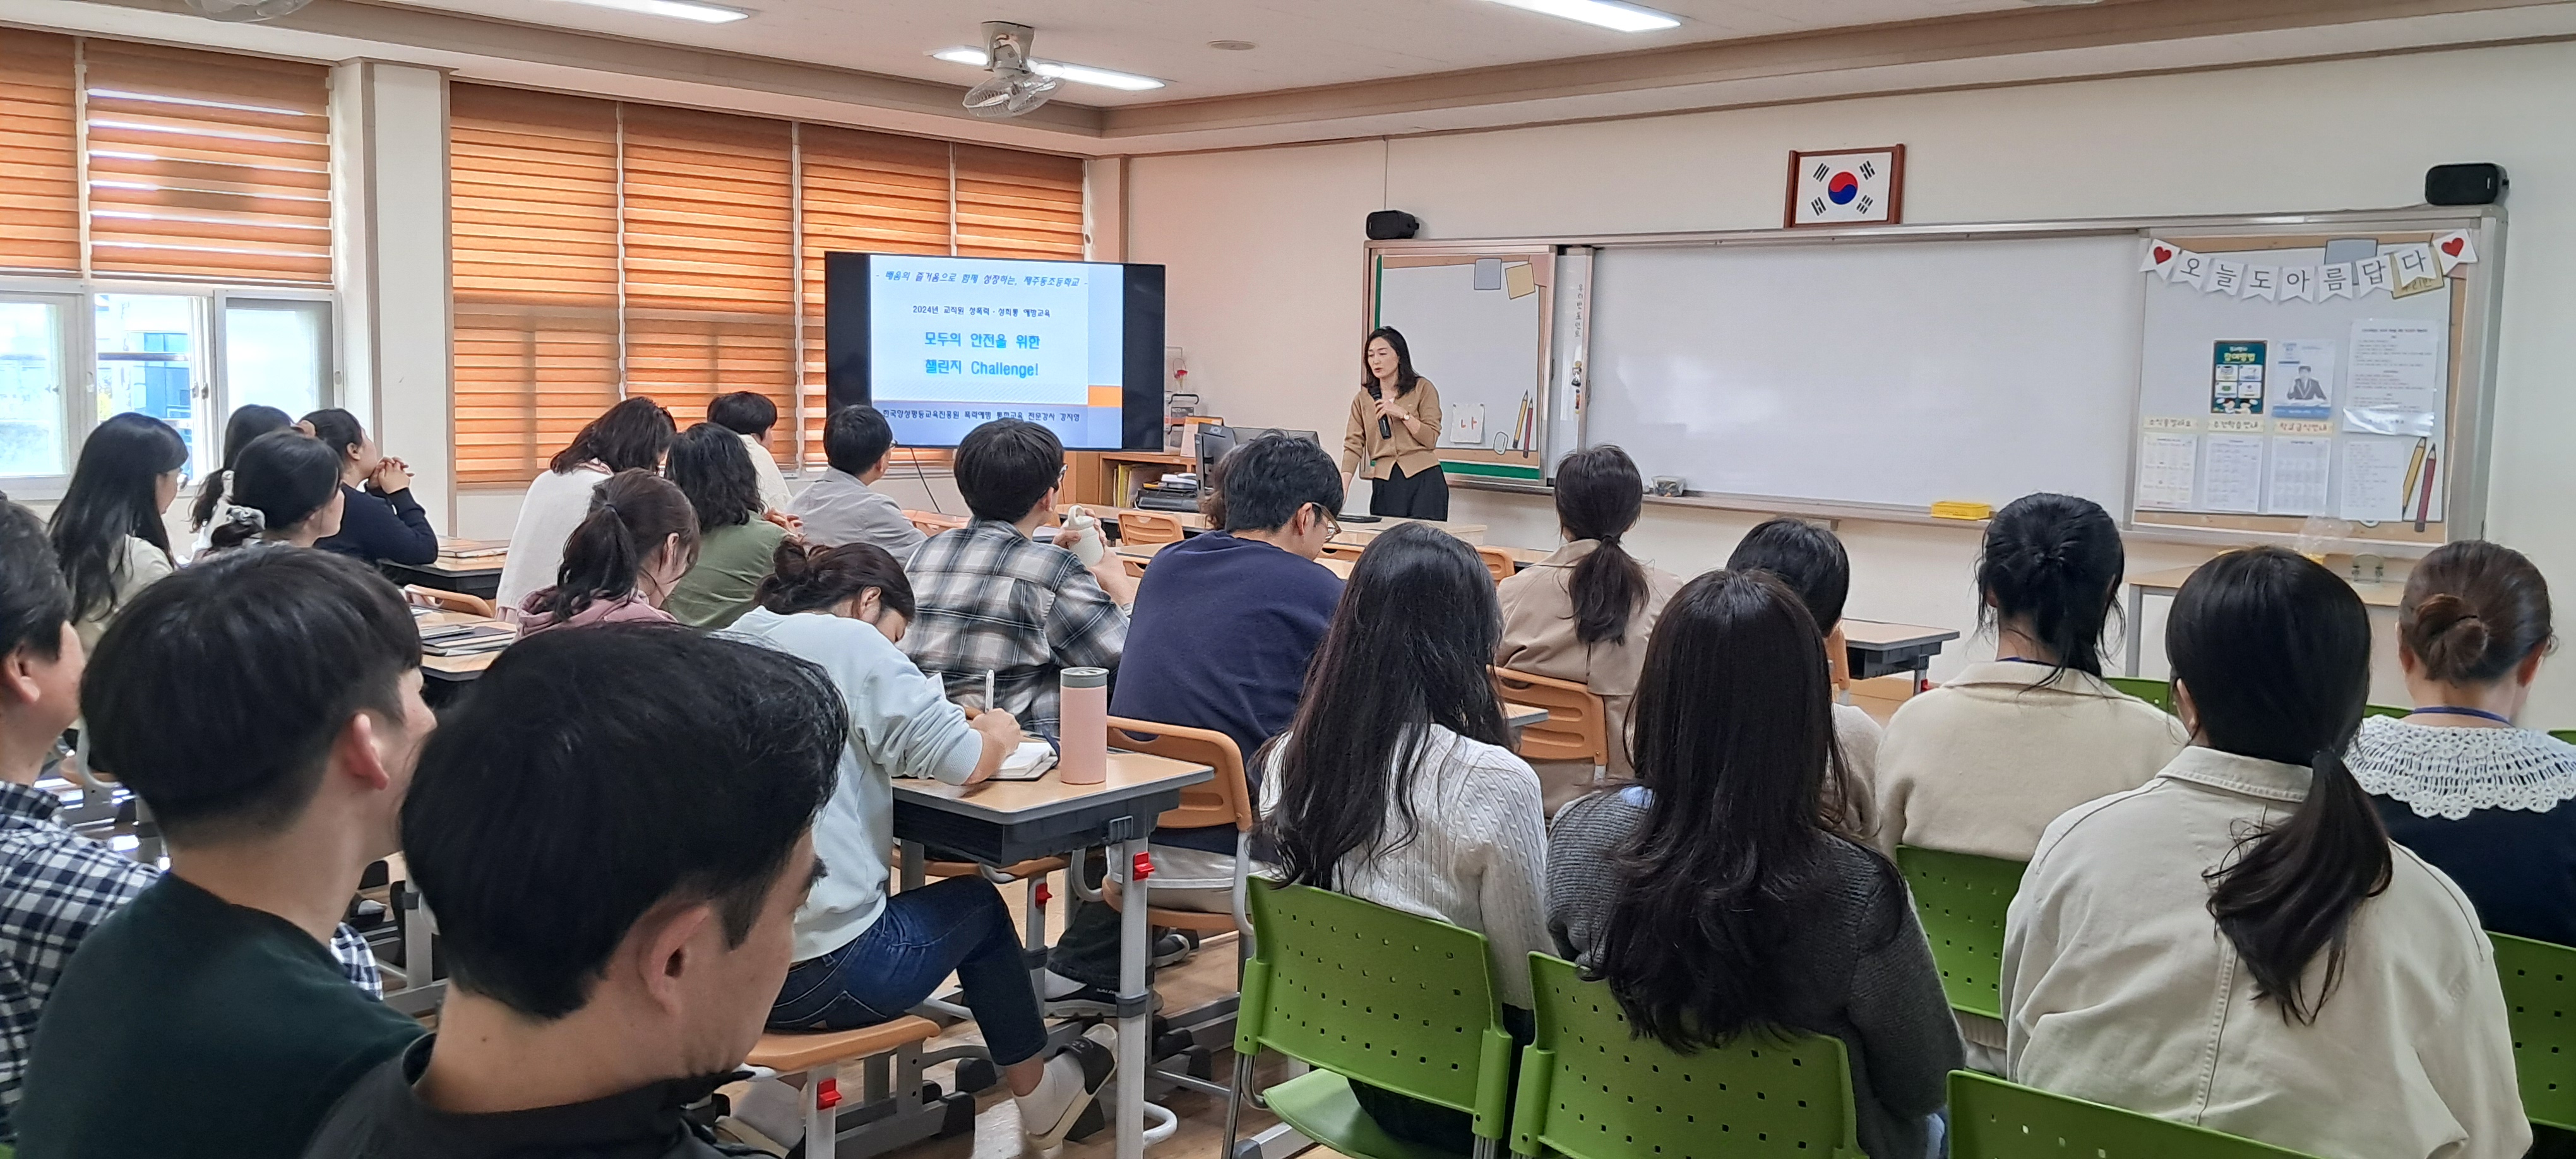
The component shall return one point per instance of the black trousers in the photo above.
(1423, 496)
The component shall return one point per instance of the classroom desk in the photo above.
(476, 576)
(1881, 649)
(2374, 594)
(1143, 554)
(455, 670)
(1004, 822)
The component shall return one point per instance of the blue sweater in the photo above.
(1221, 636)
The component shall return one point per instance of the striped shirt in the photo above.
(992, 600)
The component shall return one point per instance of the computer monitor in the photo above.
(1215, 440)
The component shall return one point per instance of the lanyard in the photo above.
(2452, 710)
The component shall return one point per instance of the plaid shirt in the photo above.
(991, 600)
(56, 886)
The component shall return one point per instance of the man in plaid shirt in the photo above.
(991, 600)
(54, 884)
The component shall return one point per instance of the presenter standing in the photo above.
(1395, 424)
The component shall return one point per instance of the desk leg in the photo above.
(916, 864)
(2137, 642)
(1133, 995)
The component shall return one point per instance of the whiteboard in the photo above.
(1898, 373)
(1480, 348)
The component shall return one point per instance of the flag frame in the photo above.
(1892, 213)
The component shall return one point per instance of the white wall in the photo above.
(1265, 248)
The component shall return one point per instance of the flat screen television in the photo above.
(942, 345)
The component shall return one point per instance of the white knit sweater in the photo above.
(1478, 860)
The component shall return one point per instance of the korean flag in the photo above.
(1854, 188)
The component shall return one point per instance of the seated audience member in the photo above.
(2236, 944)
(752, 416)
(247, 422)
(1984, 762)
(1255, 586)
(266, 706)
(54, 886)
(379, 519)
(1394, 784)
(631, 436)
(1711, 894)
(994, 601)
(108, 530)
(623, 560)
(615, 878)
(2456, 781)
(735, 545)
(863, 955)
(1810, 559)
(838, 506)
(1584, 613)
(284, 490)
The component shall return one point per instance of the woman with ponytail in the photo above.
(283, 490)
(2456, 781)
(622, 561)
(2236, 944)
(864, 955)
(247, 423)
(1584, 613)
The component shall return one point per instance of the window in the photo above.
(606, 249)
(167, 247)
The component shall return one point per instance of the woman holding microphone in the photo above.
(1395, 424)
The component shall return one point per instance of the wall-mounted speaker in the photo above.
(1392, 225)
(2482, 183)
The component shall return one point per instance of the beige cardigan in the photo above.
(1364, 452)
(2119, 988)
(1983, 763)
(1538, 638)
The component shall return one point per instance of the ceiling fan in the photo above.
(244, 11)
(1014, 88)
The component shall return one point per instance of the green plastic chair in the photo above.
(2540, 1004)
(1591, 1089)
(1360, 991)
(2384, 710)
(2155, 692)
(1994, 1119)
(2565, 734)
(1960, 899)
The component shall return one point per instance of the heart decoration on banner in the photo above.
(2396, 268)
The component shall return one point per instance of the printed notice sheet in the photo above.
(2298, 477)
(2233, 480)
(2396, 381)
(2165, 467)
(2374, 478)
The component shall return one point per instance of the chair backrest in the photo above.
(2540, 1005)
(932, 523)
(1497, 561)
(2565, 734)
(1591, 1089)
(1400, 1002)
(447, 601)
(2155, 692)
(1223, 800)
(2384, 710)
(1960, 899)
(1577, 727)
(1135, 527)
(1994, 1119)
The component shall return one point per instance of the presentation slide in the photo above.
(957, 342)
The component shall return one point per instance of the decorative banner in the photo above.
(2398, 271)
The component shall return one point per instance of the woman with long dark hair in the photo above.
(1395, 783)
(379, 519)
(285, 489)
(1394, 430)
(1584, 614)
(247, 423)
(107, 531)
(2457, 780)
(2236, 944)
(631, 436)
(622, 560)
(736, 547)
(1716, 896)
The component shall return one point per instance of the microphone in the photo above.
(1385, 430)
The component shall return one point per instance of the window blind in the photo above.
(39, 158)
(1018, 205)
(710, 259)
(206, 165)
(532, 181)
(870, 192)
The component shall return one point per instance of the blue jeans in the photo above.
(955, 925)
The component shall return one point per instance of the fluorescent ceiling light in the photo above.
(1077, 73)
(1616, 17)
(675, 9)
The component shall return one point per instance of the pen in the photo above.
(988, 690)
